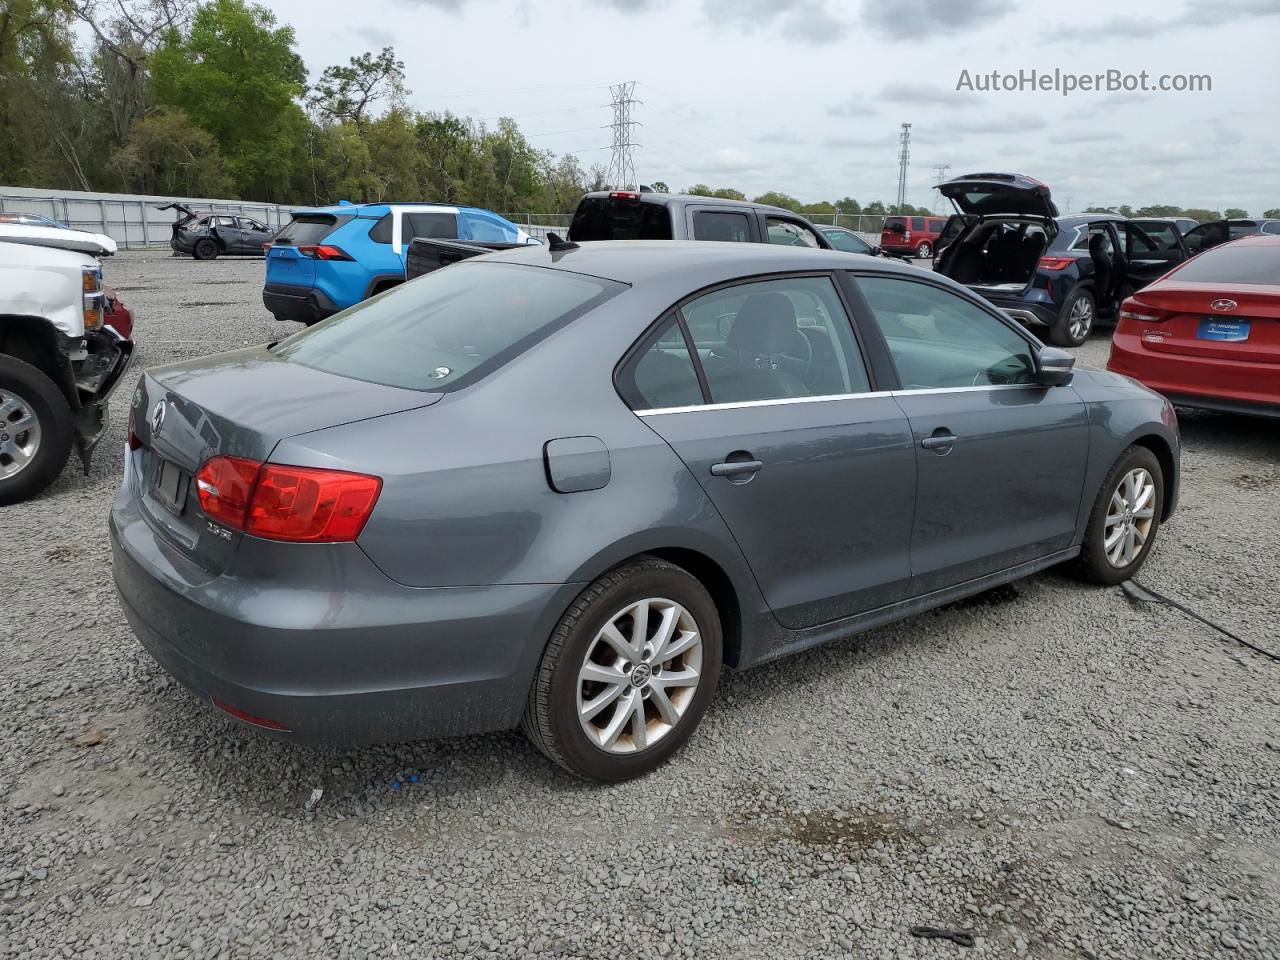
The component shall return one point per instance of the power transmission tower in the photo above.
(622, 168)
(904, 160)
(940, 173)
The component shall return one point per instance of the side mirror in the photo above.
(1054, 367)
(876, 251)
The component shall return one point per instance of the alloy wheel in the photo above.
(1081, 319)
(1130, 516)
(640, 675)
(19, 434)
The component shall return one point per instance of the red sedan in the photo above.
(1207, 333)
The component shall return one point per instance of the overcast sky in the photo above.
(806, 96)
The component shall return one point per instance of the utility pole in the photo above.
(940, 175)
(1070, 208)
(622, 168)
(904, 160)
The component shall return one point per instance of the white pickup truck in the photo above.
(59, 361)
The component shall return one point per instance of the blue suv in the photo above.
(328, 258)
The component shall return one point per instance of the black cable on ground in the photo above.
(1144, 594)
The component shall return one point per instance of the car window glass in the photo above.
(620, 218)
(1271, 226)
(939, 339)
(1205, 236)
(486, 229)
(772, 339)
(718, 225)
(380, 232)
(226, 221)
(848, 242)
(448, 328)
(432, 226)
(662, 374)
(917, 223)
(789, 233)
(248, 224)
(1153, 237)
(1238, 263)
(1082, 239)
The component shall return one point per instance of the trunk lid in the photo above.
(188, 412)
(1248, 331)
(285, 265)
(985, 194)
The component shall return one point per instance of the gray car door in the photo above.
(1000, 460)
(812, 470)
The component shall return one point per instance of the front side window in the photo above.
(486, 229)
(247, 224)
(774, 339)
(791, 234)
(939, 339)
(848, 242)
(662, 373)
(725, 226)
(447, 328)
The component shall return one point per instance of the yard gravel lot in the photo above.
(1051, 766)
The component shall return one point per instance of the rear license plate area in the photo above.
(1223, 331)
(169, 485)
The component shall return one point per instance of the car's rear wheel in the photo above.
(205, 249)
(628, 673)
(1075, 319)
(924, 251)
(1125, 518)
(35, 431)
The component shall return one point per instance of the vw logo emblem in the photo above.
(1223, 305)
(157, 417)
(640, 675)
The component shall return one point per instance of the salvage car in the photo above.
(59, 358)
(326, 259)
(1008, 244)
(1207, 334)
(630, 463)
(209, 235)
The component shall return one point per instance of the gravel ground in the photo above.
(1056, 769)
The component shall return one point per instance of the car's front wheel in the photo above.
(628, 673)
(1125, 518)
(205, 249)
(1075, 319)
(35, 431)
(924, 251)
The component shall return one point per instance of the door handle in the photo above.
(941, 438)
(736, 468)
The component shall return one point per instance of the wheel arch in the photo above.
(34, 341)
(1159, 446)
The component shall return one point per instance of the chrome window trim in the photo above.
(785, 401)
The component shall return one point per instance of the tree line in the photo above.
(189, 98)
(1195, 213)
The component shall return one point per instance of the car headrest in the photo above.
(1097, 243)
(766, 323)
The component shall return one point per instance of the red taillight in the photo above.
(1139, 312)
(322, 252)
(249, 717)
(276, 502)
(224, 485)
(1056, 263)
(624, 195)
(133, 440)
(315, 506)
(266, 246)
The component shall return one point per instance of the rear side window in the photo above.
(432, 226)
(716, 225)
(306, 229)
(1255, 262)
(917, 223)
(448, 328)
(618, 218)
(1153, 237)
(662, 373)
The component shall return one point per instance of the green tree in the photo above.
(728, 193)
(848, 205)
(348, 93)
(1201, 214)
(776, 199)
(875, 209)
(1272, 214)
(699, 190)
(168, 154)
(1235, 213)
(238, 77)
(1159, 210)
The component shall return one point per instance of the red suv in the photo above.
(916, 236)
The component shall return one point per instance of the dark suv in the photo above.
(1008, 244)
(628, 215)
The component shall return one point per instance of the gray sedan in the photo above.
(561, 486)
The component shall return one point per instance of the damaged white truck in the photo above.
(59, 360)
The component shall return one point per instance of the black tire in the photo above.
(1093, 564)
(924, 251)
(1060, 332)
(53, 416)
(206, 248)
(551, 718)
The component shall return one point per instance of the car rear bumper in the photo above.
(1230, 386)
(301, 304)
(336, 665)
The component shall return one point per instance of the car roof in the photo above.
(383, 207)
(664, 198)
(1078, 218)
(696, 262)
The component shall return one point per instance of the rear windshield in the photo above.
(447, 328)
(617, 218)
(306, 228)
(1234, 263)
